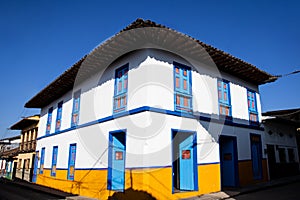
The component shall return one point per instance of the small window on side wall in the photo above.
(252, 106)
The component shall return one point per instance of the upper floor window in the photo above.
(121, 88)
(252, 107)
(224, 98)
(75, 110)
(58, 116)
(182, 88)
(49, 120)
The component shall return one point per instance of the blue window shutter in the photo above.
(54, 160)
(76, 108)
(58, 116)
(42, 160)
(224, 98)
(49, 120)
(252, 106)
(71, 162)
(182, 88)
(121, 88)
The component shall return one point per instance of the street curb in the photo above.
(227, 194)
(256, 189)
(39, 188)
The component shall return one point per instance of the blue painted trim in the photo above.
(109, 169)
(157, 110)
(137, 168)
(172, 159)
(196, 187)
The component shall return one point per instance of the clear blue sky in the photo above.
(41, 39)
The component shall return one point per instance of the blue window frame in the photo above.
(58, 116)
(224, 98)
(49, 120)
(182, 88)
(252, 107)
(121, 88)
(42, 161)
(75, 110)
(71, 162)
(54, 160)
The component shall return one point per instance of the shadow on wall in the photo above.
(131, 194)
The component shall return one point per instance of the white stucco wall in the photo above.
(150, 83)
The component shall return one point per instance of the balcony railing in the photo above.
(28, 146)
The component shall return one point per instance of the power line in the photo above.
(291, 73)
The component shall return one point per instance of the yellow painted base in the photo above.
(155, 181)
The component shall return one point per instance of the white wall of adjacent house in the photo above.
(282, 136)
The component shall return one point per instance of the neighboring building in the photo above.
(154, 120)
(8, 156)
(282, 142)
(29, 129)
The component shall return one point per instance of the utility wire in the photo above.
(283, 75)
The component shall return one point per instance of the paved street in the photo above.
(286, 192)
(10, 191)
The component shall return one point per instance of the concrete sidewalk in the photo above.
(244, 190)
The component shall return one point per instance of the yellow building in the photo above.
(25, 159)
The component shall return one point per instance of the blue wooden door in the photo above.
(116, 179)
(256, 154)
(35, 167)
(186, 164)
(228, 161)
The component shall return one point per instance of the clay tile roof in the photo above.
(224, 61)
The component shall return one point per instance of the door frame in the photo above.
(235, 157)
(195, 163)
(110, 151)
